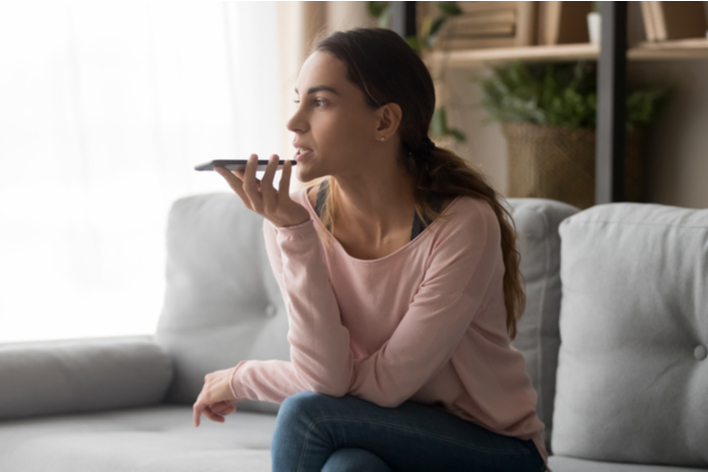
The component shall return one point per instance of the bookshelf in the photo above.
(644, 51)
(612, 65)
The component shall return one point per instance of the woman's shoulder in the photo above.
(467, 207)
(469, 216)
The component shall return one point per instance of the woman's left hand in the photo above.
(216, 398)
(260, 195)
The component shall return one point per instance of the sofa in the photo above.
(614, 335)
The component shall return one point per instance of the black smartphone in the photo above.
(239, 164)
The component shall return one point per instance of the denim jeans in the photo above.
(316, 432)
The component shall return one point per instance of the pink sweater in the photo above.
(426, 323)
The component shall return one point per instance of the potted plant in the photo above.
(548, 114)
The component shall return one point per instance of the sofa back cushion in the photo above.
(68, 376)
(632, 374)
(222, 303)
(537, 221)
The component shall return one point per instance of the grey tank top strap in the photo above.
(434, 201)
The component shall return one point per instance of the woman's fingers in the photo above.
(250, 186)
(236, 184)
(270, 196)
(223, 408)
(284, 187)
(213, 416)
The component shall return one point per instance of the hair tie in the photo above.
(425, 149)
(427, 146)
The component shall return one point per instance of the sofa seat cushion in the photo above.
(570, 464)
(158, 438)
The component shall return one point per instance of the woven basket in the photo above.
(559, 163)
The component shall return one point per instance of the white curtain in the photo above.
(105, 109)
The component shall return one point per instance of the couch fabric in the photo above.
(84, 375)
(125, 404)
(632, 374)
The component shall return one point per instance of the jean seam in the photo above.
(443, 438)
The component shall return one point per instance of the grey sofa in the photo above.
(614, 336)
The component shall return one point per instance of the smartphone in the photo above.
(239, 164)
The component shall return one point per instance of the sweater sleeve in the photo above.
(451, 294)
(319, 344)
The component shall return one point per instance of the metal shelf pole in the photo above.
(611, 105)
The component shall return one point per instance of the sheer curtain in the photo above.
(105, 109)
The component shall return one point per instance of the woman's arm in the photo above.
(319, 344)
(451, 294)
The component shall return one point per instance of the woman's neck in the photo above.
(376, 210)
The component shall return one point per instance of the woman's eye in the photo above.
(316, 101)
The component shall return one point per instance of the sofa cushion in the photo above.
(632, 372)
(570, 464)
(222, 303)
(79, 375)
(160, 438)
(537, 221)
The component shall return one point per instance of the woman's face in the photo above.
(333, 120)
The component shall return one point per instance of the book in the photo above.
(648, 20)
(563, 22)
(678, 20)
(483, 24)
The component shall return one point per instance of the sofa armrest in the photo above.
(81, 375)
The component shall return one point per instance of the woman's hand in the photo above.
(260, 195)
(216, 398)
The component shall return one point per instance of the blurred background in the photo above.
(106, 107)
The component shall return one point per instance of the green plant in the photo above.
(557, 94)
(430, 27)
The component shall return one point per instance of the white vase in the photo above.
(594, 27)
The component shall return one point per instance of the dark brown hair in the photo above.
(386, 69)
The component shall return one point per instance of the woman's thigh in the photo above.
(412, 437)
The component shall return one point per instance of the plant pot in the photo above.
(559, 163)
(594, 27)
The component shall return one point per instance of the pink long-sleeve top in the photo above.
(426, 323)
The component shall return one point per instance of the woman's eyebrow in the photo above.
(312, 90)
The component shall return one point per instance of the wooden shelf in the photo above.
(668, 50)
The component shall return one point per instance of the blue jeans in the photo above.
(315, 432)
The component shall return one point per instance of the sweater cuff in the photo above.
(232, 383)
(296, 231)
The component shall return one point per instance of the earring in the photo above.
(382, 138)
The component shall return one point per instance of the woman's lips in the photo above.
(299, 157)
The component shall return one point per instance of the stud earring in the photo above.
(382, 138)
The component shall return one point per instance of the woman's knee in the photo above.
(299, 408)
(300, 402)
(352, 459)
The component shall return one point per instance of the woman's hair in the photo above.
(386, 69)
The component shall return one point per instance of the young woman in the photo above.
(401, 278)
